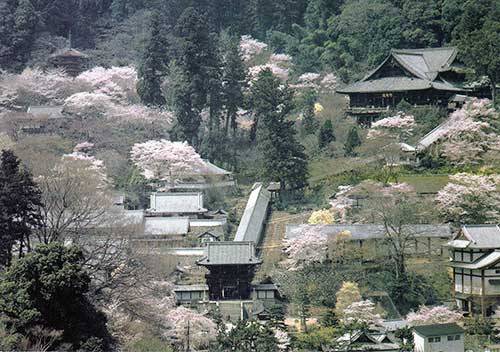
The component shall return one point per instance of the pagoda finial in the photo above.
(70, 39)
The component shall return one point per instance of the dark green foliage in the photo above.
(233, 81)
(326, 135)
(198, 77)
(152, 66)
(353, 141)
(277, 317)
(405, 334)
(20, 199)
(480, 50)
(284, 157)
(249, 336)
(48, 288)
(329, 319)
(307, 101)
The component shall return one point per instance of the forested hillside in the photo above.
(349, 36)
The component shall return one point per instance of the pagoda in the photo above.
(72, 61)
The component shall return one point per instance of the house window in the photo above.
(457, 337)
(451, 338)
(497, 271)
(434, 339)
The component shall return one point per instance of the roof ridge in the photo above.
(416, 50)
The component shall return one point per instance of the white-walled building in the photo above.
(475, 261)
(438, 338)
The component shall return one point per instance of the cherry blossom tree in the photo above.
(362, 312)
(307, 247)
(202, 330)
(433, 315)
(250, 47)
(400, 126)
(472, 199)
(162, 159)
(471, 133)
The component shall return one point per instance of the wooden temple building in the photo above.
(72, 61)
(475, 261)
(418, 76)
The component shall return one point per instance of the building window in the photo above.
(497, 271)
(451, 338)
(434, 339)
(457, 337)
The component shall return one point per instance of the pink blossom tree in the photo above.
(470, 133)
(250, 47)
(400, 126)
(468, 198)
(162, 159)
(433, 315)
(307, 247)
(362, 312)
(202, 330)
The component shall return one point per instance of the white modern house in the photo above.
(475, 261)
(438, 338)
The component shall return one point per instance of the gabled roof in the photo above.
(229, 253)
(477, 236)
(171, 202)
(69, 53)
(438, 329)
(213, 233)
(370, 231)
(45, 111)
(254, 216)
(166, 225)
(481, 263)
(422, 65)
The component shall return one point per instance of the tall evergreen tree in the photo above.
(234, 81)
(284, 157)
(20, 199)
(352, 142)
(308, 101)
(196, 56)
(152, 66)
(326, 135)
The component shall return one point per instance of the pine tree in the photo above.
(284, 157)
(326, 135)
(20, 199)
(352, 142)
(234, 81)
(152, 66)
(197, 58)
(308, 100)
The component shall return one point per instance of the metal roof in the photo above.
(370, 231)
(438, 329)
(254, 216)
(166, 225)
(171, 202)
(229, 253)
(480, 236)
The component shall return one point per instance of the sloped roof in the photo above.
(370, 231)
(254, 216)
(190, 288)
(166, 225)
(212, 169)
(481, 263)
(45, 111)
(478, 236)
(423, 64)
(436, 134)
(438, 329)
(69, 53)
(185, 202)
(229, 253)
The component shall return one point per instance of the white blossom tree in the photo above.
(309, 246)
(162, 159)
(362, 312)
(472, 199)
(202, 330)
(433, 315)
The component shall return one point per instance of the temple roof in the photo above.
(229, 253)
(171, 202)
(477, 236)
(370, 231)
(422, 66)
(252, 220)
